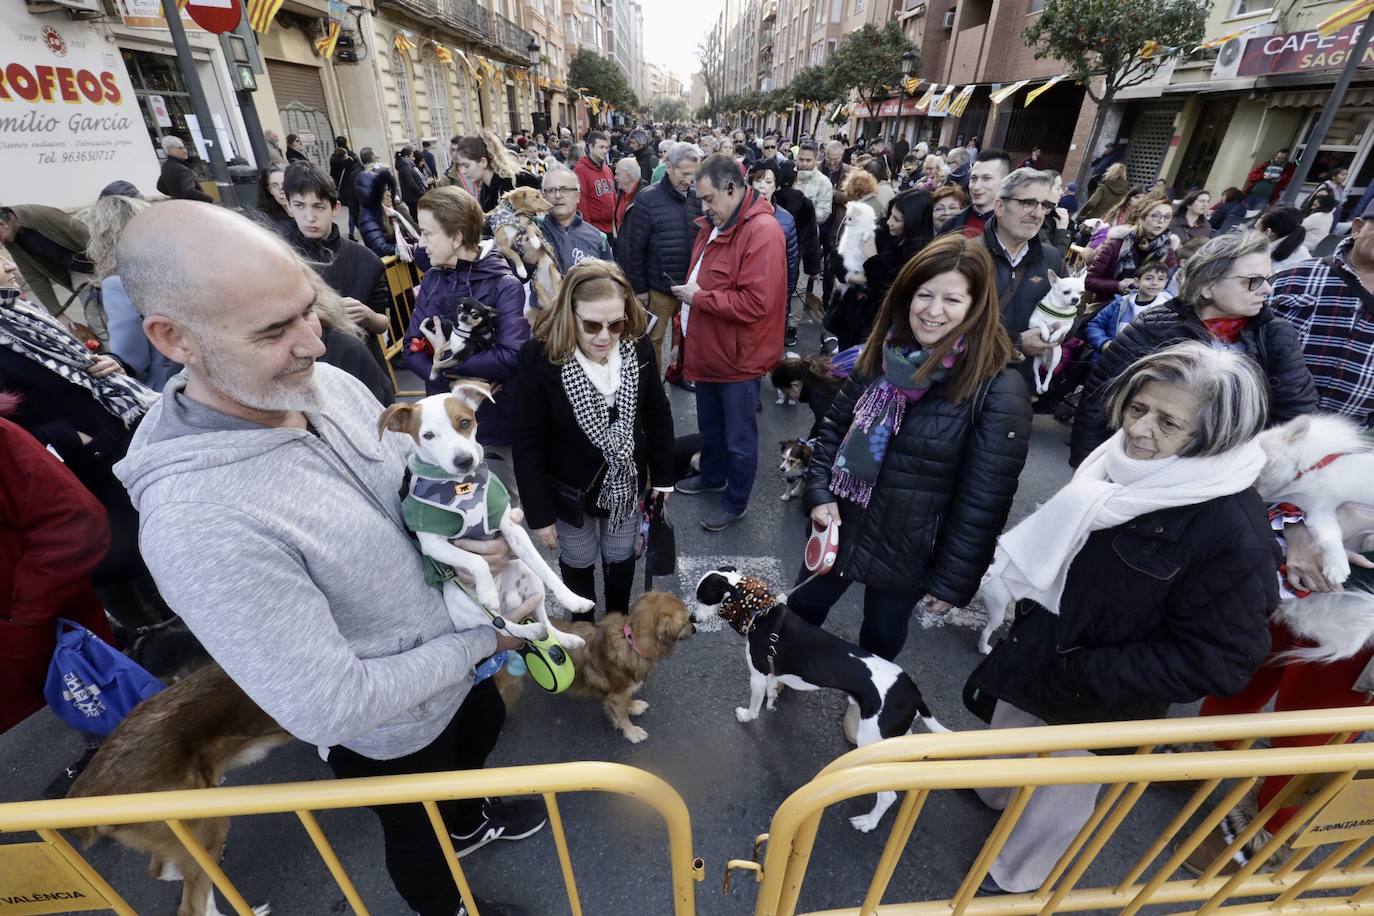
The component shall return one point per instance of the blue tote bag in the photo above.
(90, 685)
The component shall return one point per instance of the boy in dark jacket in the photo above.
(1121, 311)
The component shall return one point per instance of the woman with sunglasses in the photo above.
(592, 429)
(1221, 302)
(1144, 238)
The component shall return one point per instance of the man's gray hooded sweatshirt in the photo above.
(285, 552)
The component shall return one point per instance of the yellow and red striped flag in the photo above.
(942, 101)
(1041, 90)
(1346, 15)
(443, 54)
(401, 42)
(926, 99)
(325, 45)
(261, 13)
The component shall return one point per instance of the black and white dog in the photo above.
(472, 331)
(785, 650)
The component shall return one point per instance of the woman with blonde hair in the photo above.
(860, 185)
(593, 429)
(491, 168)
(1110, 193)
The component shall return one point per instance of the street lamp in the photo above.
(908, 61)
(532, 49)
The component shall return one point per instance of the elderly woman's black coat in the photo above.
(1167, 608)
(1268, 339)
(943, 493)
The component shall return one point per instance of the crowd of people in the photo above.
(237, 372)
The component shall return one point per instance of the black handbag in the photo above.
(660, 547)
(573, 504)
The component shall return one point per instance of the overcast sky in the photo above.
(672, 31)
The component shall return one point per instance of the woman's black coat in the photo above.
(1268, 339)
(1168, 608)
(550, 447)
(943, 491)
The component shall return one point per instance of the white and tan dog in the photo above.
(450, 476)
(1054, 317)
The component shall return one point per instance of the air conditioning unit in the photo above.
(1227, 65)
(949, 20)
(77, 9)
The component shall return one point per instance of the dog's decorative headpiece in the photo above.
(746, 602)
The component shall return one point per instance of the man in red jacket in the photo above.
(734, 306)
(597, 202)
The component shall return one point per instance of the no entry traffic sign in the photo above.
(216, 15)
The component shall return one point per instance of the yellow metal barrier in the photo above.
(46, 818)
(401, 279)
(917, 765)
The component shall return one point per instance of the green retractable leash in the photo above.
(547, 662)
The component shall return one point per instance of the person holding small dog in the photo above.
(918, 457)
(466, 266)
(1147, 580)
(1221, 303)
(249, 458)
(593, 428)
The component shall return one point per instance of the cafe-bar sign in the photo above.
(1301, 52)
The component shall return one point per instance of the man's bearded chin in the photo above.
(275, 395)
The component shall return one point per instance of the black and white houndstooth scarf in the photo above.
(616, 440)
(45, 340)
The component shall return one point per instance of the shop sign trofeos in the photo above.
(1300, 52)
(69, 122)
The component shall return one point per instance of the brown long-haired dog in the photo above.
(186, 737)
(620, 652)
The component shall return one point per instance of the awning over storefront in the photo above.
(1315, 98)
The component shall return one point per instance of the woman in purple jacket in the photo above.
(450, 223)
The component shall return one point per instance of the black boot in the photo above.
(620, 580)
(582, 581)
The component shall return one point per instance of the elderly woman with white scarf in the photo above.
(1146, 581)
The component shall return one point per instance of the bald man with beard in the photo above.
(271, 521)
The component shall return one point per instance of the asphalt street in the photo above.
(732, 776)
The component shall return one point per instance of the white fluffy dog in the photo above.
(1324, 465)
(1054, 316)
(857, 242)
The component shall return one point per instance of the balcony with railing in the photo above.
(472, 21)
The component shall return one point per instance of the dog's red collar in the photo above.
(1321, 464)
(630, 638)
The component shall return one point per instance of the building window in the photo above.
(157, 74)
(1250, 7)
(440, 124)
(400, 73)
(1035, 6)
(1343, 142)
(830, 48)
(858, 6)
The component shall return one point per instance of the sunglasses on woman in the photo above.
(1253, 283)
(593, 328)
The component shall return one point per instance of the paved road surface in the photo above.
(732, 776)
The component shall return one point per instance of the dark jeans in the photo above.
(727, 416)
(353, 208)
(1256, 201)
(886, 614)
(413, 856)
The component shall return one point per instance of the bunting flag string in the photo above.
(1221, 40)
(402, 42)
(956, 108)
(261, 13)
(1041, 90)
(911, 84)
(926, 99)
(469, 66)
(1347, 15)
(443, 54)
(1007, 91)
(941, 103)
